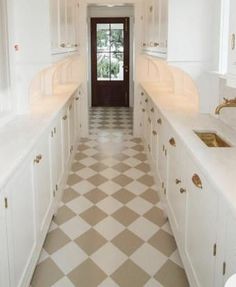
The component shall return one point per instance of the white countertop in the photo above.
(19, 136)
(218, 164)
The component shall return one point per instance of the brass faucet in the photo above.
(227, 103)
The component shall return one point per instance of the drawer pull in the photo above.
(197, 181)
(159, 121)
(146, 100)
(172, 142)
(154, 133)
(177, 181)
(182, 190)
(152, 110)
(65, 118)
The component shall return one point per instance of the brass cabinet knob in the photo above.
(146, 100)
(197, 181)
(154, 133)
(172, 142)
(156, 44)
(152, 110)
(38, 158)
(182, 190)
(65, 118)
(143, 110)
(77, 98)
(149, 120)
(177, 181)
(142, 94)
(159, 121)
(63, 45)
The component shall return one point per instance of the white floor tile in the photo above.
(75, 227)
(109, 228)
(144, 228)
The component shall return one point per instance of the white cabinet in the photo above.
(43, 187)
(201, 225)
(72, 124)
(155, 26)
(56, 164)
(176, 190)
(77, 125)
(20, 216)
(232, 40)
(64, 21)
(65, 137)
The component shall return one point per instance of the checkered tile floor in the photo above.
(110, 230)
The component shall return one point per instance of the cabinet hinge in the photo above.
(165, 191)
(55, 130)
(214, 249)
(52, 134)
(56, 187)
(166, 152)
(6, 202)
(224, 268)
(54, 193)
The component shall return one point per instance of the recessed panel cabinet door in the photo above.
(201, 225)
(43, 186)
(72, 124)
(21, 223)
(176, 189)
(77, 125)
(65, 137)
(232, 38)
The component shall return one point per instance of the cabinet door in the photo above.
(55, 154)
(43, 185)
(4, 258)
(65, 138)
(229, 245)
(21, 223)
(149, 22)
(63, 24)
(176, 190)
(154, 137)
(201, 224)
(163, 25)
(77, 125)
(232, 40)
(157, 19)
(71, 10)
(54, 23)
(72, 125)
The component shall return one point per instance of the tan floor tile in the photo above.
(151, 195)
(76, 166)
(121, 167)
(130, 275)
(171, 275)
(83, 147)
(80, 156)
(99, 156)
(73, 179)
(69, 194)
(123, 195)
(127, 242)
(98, 167)
(164, 242)
(46, 274)
(63, 214)
(138, 148)
(125, 215)
(97, 179)
(55, 240)
(156, 216)
(120, 156)
(91, 241)
(143, 167)
(122, 180)
(88, 274)
(95, 195)
(147, 180)
(141, 156)
(93, 215)
(136, 140)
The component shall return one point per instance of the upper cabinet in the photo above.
(155, 26)
(64, 26)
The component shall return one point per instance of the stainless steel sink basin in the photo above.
(211, 139)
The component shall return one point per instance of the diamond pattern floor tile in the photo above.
(110, 230)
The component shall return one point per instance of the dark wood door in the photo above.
(110, 62)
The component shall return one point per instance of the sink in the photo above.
(211, 139)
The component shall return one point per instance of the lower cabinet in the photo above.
(27, 201)
(21, 223)
(200, 226)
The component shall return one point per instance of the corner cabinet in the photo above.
(201, 221)
(64, 26)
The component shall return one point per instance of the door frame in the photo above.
(129, 12)
(125, 83)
